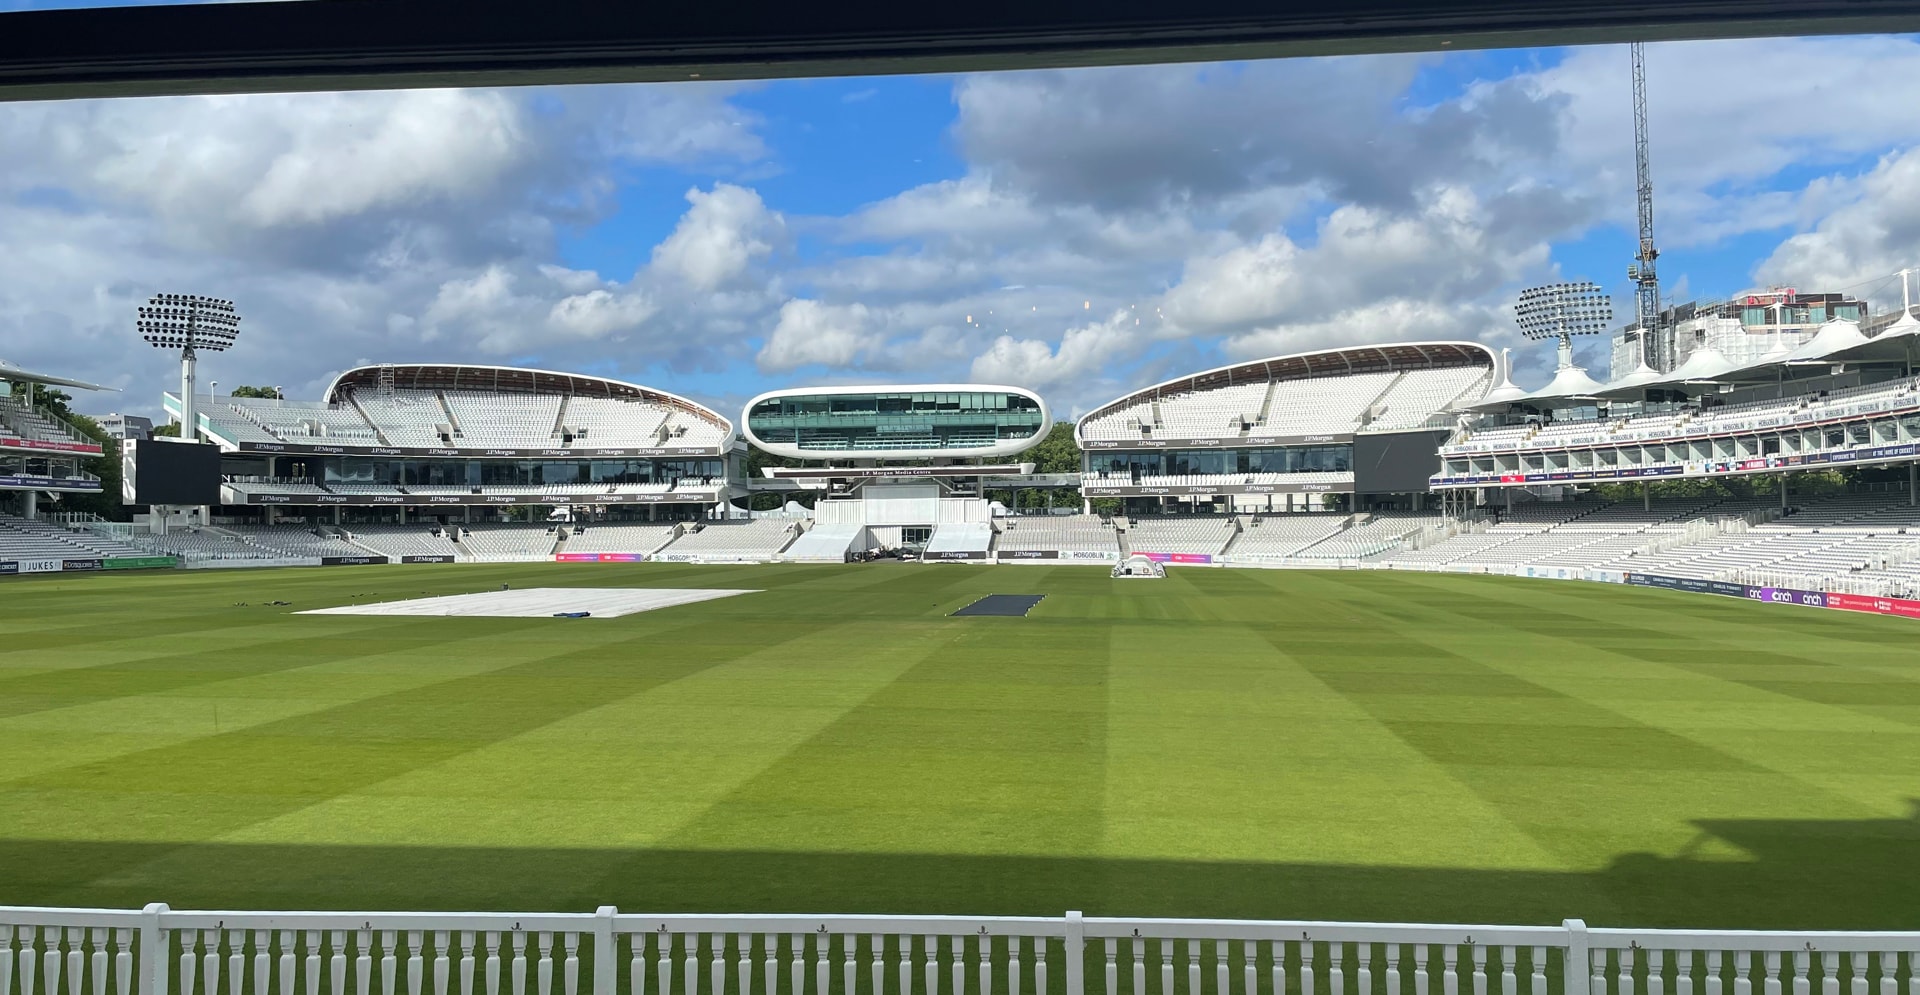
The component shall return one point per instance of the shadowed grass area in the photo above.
(1221, 743)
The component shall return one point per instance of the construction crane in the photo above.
(1646, 283)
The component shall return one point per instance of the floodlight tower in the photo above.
(1561, 311)
(189, 323)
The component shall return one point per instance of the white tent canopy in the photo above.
(1834, 337)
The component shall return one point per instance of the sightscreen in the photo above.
(1399, 463)
(161, 472)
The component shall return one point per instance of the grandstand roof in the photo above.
(507, 380)
(1833, 338)
(1306, 365)
(8, 371)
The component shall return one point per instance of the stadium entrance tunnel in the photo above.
(1767, 874)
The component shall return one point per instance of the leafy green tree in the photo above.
(265, 393)
(1057, 453)
(170, 430)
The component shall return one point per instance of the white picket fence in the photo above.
(159, 951)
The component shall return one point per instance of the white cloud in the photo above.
(1874, 232)
(724, 232)
(1441, 251)
(811, 333)
(598, 313)
(1082, 352)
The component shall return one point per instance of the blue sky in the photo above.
(1078, 232)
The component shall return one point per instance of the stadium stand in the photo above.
(23, 539)
(404, 540)
(760, 539)
(1197, 534)
(961, 537)
(507, 543)
(1060, 533)
(294, 540)
(1693, 422)
(1284, 535)
(525, 421)
(824, 544)
(413, 418)
(1329, 405)
(206, 544)
(623, 537)
(19, 419)
(1418, 395)
(1381, 531)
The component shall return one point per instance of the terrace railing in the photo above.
(159, 951)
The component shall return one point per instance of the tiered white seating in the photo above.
(1284, 535)
(1449, 550)
(1367, 538)
(24, 539)
(961, 537)
(683, 429)
(205, 544)
(620, 537)
(1525, 520)
(607, 421)
(342, 487)
(824, 544)
(403, 540)
(1697, 422)
(235, 422)
(508, 543)
(515, 421)
(1206, 534)
(757, 539)
(1299, 407)
(294, 541)
(304, 422)
(1209, 413)
(1064, 533)
(409, 418)
(1421, 394)
(1333, 404)
(16, 418)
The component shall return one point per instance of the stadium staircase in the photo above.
(453, 424)
(1374, 408)
(362, 412)
(1266, 405)
(559, 432)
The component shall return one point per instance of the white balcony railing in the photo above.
(158, 951)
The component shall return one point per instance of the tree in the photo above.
(170, 430)
(1057, 453)
(265, 393)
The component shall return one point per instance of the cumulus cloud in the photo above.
(1081, 352)
(1441, 251)
(810, 333)
(1875, 231)
(1231, 211)
(363, 227)
(724, 232)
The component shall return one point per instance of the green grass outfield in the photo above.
(1361, 745)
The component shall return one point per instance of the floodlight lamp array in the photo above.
(189, 321)
(1560, 309)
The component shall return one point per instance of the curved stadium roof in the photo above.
(1307, 365)
(510, 380)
